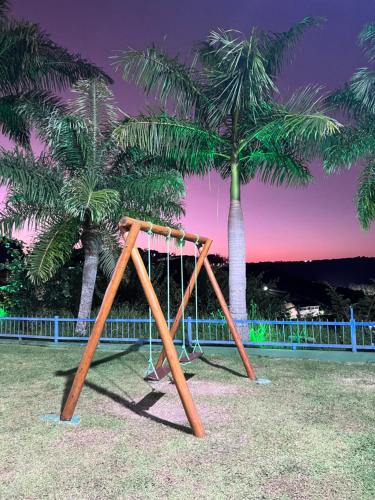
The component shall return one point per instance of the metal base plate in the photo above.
(263, 381)
(55, 419)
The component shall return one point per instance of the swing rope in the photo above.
(183, 348)
(150, 368)
(196, 343)
(168, 240)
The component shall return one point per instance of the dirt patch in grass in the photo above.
(173, 411)
(301, 487)
(285, 487)
(164, 403)
(80, 437)
(167, 407)
(6, 475)
(353, 427)
(200, 388)
(364, 383)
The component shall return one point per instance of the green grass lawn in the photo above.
(310, 434)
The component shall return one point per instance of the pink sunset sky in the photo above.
(281, 224)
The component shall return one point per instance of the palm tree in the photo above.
(76, 192)
(357, 142)
(32, 68)
(226, 117)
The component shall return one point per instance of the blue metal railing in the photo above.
(351, 335)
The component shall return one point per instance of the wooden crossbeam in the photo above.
(126, 223)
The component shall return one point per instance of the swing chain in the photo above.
(181, 240)
(183, 348)
(168, 239)
(150, 368)
(196, 343)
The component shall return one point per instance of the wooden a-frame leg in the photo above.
(170, 350)
(232, 327)
(97, 330)
(189, 290)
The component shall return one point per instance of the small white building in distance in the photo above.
(303, 312)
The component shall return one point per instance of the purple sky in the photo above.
(281, 224)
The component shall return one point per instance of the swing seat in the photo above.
(163, 371)
(191, 357)
(158, 373)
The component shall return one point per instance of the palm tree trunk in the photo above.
(90, 268)
(236, 254)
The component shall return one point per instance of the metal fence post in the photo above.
(189, 332)
(56, 329)
(353, 331)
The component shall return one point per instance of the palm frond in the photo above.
(366, 196)
(20, 112)
(163, 195)
(307, 100)
(159, 74)
(362, 85)
(276, 167)
(343, 149)
(52, 249)
(39, 181)
(367, 40)
(302, 122)
(29, 59)
(12, 123)
(36, 106)
(276, 46)
(345, 100)
(94, 102)
(83, 199)
(4, 9)
(68, 140)
(18, 215)
(191, 146)
(109, 251)
(143, 183)
(239, 79)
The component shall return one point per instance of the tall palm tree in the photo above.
(357, 142)
(76, 191)
(226, 117)
(32, 67)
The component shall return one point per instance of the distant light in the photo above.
(265, 288)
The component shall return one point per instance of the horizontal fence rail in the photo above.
(350, 335)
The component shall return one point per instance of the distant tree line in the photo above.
(61, 294)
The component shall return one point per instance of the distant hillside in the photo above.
(305, 282)
(336, 272)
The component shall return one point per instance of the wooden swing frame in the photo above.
(130, 229)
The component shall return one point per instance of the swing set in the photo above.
(169, 360)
